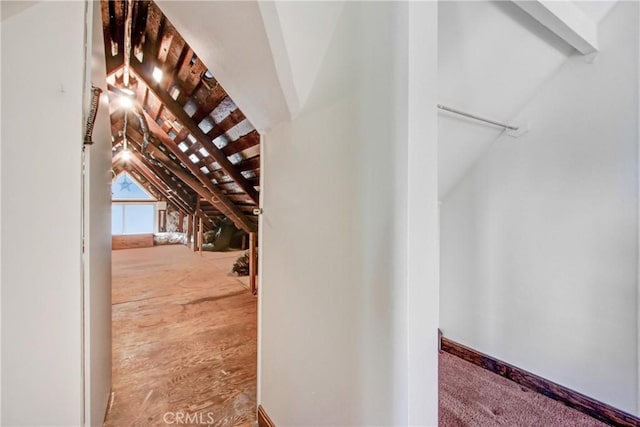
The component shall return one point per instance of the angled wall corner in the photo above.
(299, 35)
(336, 293)
(231, 39)
(567, 21)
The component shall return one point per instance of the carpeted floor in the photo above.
(472, 396)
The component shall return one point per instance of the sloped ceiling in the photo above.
(231, 39)
(12, 8)
(272, 50)
(173, 122)
(492, 58)
(596, 10)
(298, 58)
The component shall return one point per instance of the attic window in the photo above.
(132, 218)
(126, 187)
(183, 147)
(194, 158)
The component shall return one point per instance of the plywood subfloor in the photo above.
(184, 339)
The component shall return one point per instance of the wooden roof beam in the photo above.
(205, 188)
(134, 137)
(212, 193)
(176, 109)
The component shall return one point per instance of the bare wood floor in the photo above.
(184, 339)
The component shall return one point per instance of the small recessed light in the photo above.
(126, 155)
(157, 74)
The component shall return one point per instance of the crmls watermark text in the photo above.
(204, 418)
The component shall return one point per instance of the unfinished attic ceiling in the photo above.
(187, 142)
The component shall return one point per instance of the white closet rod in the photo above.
(474, 117)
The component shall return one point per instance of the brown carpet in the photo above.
(472, 396)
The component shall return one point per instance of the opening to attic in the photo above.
(186, 162)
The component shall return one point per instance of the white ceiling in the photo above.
(12, 8)
(596, 10)
(492, 58)
(299, 36)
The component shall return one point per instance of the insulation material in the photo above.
(173, 220)
(169, 238)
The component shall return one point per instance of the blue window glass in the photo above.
(125, 187)
(133, 218)
(117, 223)
(138, 219)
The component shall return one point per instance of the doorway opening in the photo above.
(185, 198)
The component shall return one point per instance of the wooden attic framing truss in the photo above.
(174, 127)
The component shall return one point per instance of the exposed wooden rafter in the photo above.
(176, 109)
(209, 192)
(185, 112)
(214, 194)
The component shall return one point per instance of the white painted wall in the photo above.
(97, 232)
(422, 222)
(2, 16)
(42, 81)
(492, 58)
(539, 243)
(341, 342)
